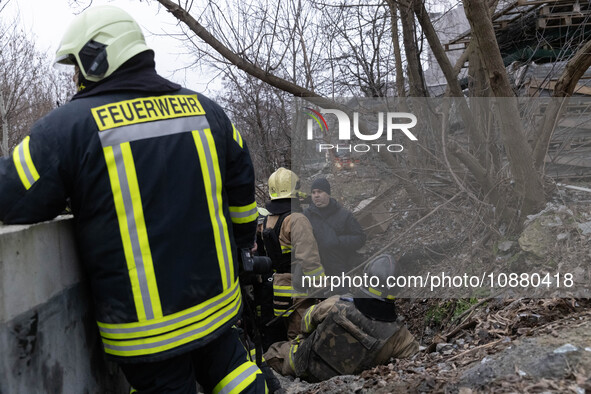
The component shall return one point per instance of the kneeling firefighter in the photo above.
(344, 335)
(289, 242)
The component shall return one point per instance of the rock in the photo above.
(562, 236)
(585, 227)
(566, 349)
(442, 347)
(579, 272)
(537, 239)
(505, 246)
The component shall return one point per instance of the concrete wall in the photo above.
(49, 342)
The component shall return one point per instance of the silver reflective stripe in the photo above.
(159, 128)
(24, 164)
(216, 204)
(253, 369)
(163, 342)
(203, 311)
(132, 228)
(243, 214)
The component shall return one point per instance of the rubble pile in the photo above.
(496, 343)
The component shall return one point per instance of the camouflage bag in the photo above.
(345, 343)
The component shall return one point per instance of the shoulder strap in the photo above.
(277, 227)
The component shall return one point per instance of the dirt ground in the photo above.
(530, 343)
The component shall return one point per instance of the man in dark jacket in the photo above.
(337, 232)
(161, 186)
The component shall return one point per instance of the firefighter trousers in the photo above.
(220, 367)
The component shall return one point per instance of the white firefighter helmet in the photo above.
(283, 183)
(100, 40)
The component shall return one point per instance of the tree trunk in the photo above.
(528, 182)
(416, 81)
(4, 146)
(400, 90)
(565, 86)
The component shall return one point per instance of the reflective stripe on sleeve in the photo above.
(282, 312)
(24, 164)
(315, 272)
(244, 214)
(308, 318)
(287, 291)
(285, 249)
(237, 380)
(292, 351)
(237, 137)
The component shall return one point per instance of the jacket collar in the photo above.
(137, 74)
(331, 208)
(281, 206)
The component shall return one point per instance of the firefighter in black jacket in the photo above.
(161, 186)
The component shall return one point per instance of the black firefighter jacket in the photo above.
(161, 186)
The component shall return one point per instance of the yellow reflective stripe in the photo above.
(286, 291)
(290, 292)
(315, 272)
(128, 205)
(237, 137)
(29, 159)
(123, 229)
(281, 312)
(247, 219)
(308, 318)
(244, 214)
(374, 291)
(237, 380)
(212, 181)
(282, 289)
(285, 249)
(24, 164)
(171, 340)
(252, 355)
(142, 232)
(244, 208)
(292, 350)
(171, 322)
(19, 168)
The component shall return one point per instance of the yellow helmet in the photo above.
(283, 183)
(100, 40)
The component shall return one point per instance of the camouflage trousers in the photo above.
(282, 356)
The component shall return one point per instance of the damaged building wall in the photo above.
(48, 336)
